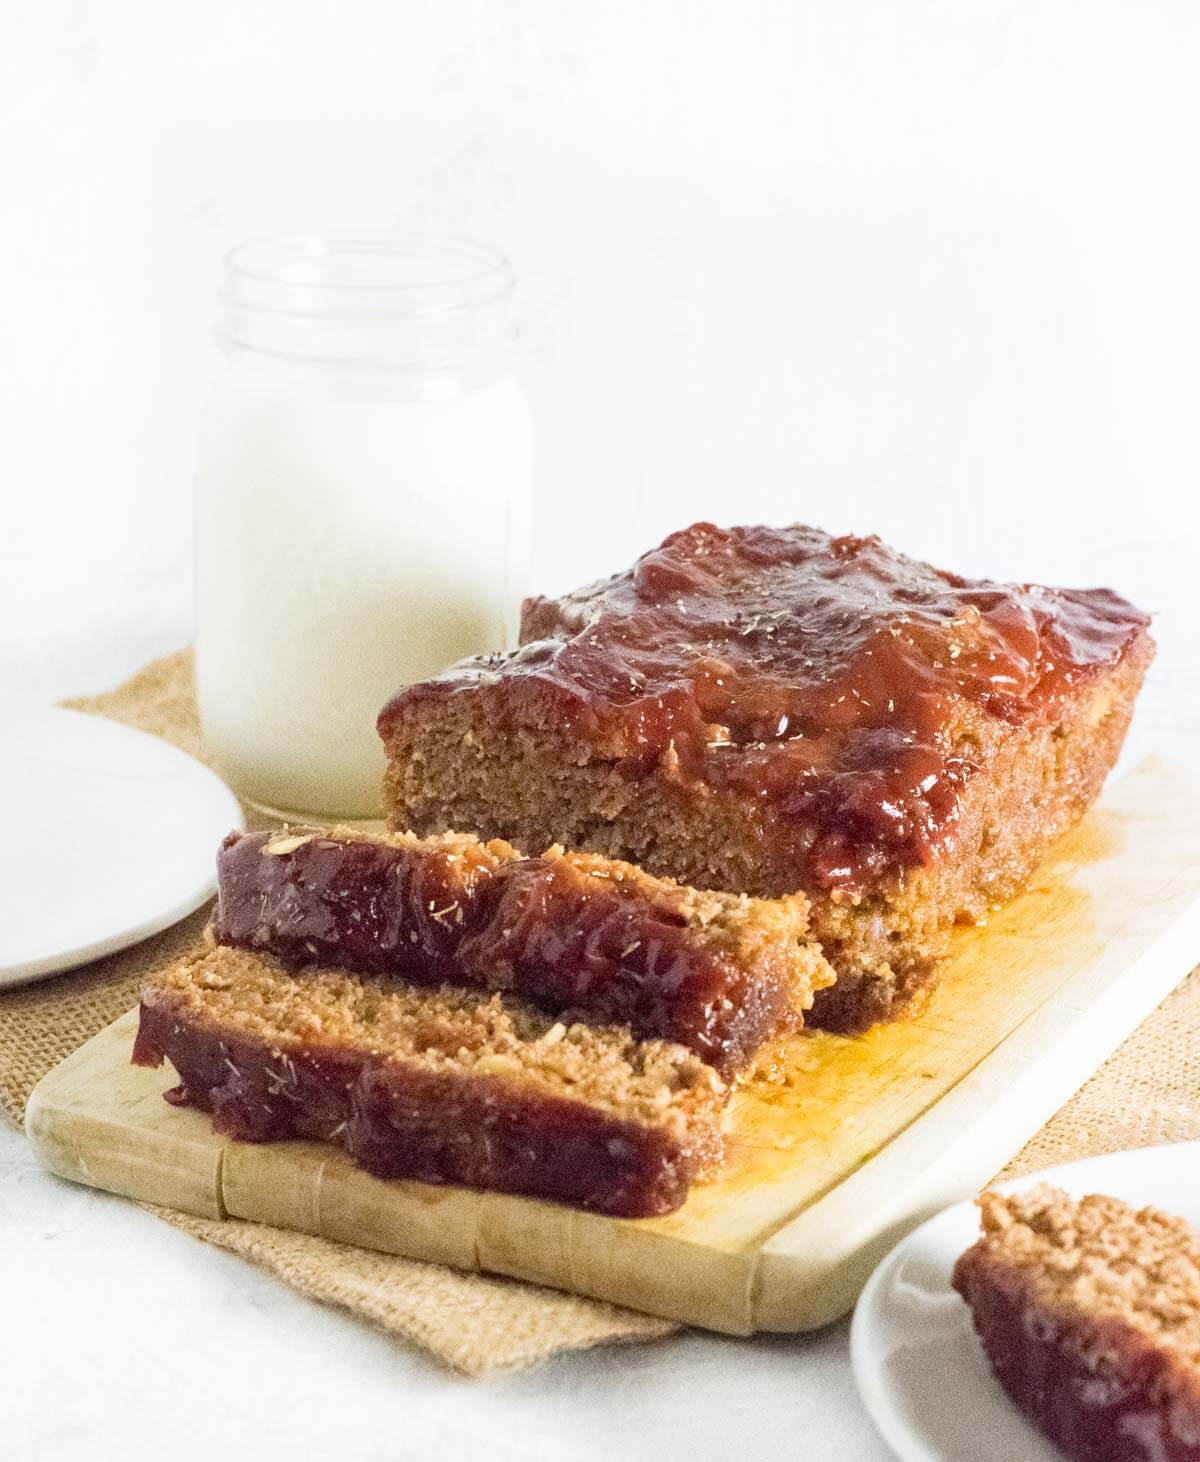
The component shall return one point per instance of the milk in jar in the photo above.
(360, 505)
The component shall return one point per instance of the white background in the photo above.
(928, 269)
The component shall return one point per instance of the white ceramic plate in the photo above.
(110, 835)
(920, 1369)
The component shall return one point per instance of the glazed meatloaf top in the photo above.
(850, 690)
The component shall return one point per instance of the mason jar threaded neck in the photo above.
(436, 305)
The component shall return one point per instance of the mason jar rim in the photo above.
(408, 275)
(410, 301)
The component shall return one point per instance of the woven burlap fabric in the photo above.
(1148, 1092)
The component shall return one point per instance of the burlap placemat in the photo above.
(1148, 1092)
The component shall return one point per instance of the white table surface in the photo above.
(123, 1337)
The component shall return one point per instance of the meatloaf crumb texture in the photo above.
(445, 1086)
(1089, 1313)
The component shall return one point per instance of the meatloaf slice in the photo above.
(445, 1086)
(1089, 1312)
(586, 936)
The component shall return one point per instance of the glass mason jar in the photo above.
(361, 502)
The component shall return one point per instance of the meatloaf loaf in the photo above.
(772, 710)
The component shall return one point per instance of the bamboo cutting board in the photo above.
(856, 1141)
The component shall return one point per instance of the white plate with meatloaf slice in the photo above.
(918, 1364)
(112, 839)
